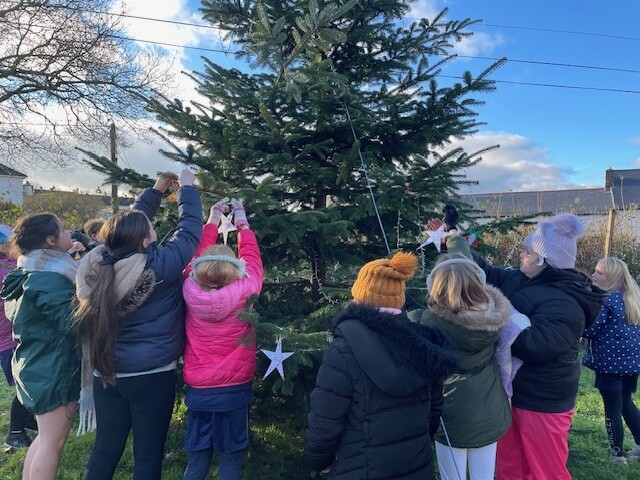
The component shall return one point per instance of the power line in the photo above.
(576, 87)
(553, 30)
(554, 64)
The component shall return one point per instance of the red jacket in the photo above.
(221, 348)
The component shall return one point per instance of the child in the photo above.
(131, 316)
(220, 355)
(378, 394)
(613, 352)
(471, 314)
(46, 366)
(19, 417)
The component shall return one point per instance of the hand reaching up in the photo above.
(220, 207)
(239, 214)
(186, 177)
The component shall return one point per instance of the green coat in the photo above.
(46, 364)
(476, 409)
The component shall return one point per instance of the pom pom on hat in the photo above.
(381, 282)
(557, 240)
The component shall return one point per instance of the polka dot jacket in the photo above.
(613, 346)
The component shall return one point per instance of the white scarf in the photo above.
(49, 260)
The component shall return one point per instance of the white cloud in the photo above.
(479, 43)
(519, 164)
(425, 9)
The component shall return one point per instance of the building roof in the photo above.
(10, 172)
(621, 191)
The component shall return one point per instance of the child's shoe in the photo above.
(634, 453)
(619, 460)
(17, 440)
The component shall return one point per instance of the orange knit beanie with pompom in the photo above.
(380, 283)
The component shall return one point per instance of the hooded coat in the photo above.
(473, 334)
(378, 397)
(46, 364)
(559, 303)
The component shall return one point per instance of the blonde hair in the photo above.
(215, 274)
(617, 277)
(457, 287)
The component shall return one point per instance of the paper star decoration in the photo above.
(276, 358)
(435, 237)
(226, 226)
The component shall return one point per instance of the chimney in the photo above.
(609, 179)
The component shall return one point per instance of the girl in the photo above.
(131, 316)
(19, 417)
(613, 352)
(378, 394)
(46, 366)
(471, 314)
(220, 355)
(558, 300)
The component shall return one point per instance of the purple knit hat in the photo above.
(556, 240)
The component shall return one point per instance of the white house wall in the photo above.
(11, 189)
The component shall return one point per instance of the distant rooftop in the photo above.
(621, 191)
(10, 172)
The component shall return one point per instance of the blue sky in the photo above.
(550, 137)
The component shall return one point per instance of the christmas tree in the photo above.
(330, 133)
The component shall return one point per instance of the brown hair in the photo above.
(457, 287)
(97, 317)
(216, 273)
(31, 232)
(92, 226)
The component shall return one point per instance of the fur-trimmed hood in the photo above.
(133, 281)
(492, 319)
(400, 357)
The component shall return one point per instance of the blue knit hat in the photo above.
(556, 240)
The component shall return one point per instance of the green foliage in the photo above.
(9, 212)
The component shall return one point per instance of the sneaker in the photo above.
(619, 460)
(17, 440)
(634, 453)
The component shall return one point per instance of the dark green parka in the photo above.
(476, 409)
(46, 364)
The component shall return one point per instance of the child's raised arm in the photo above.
(209, 231)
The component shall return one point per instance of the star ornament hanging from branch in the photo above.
(226, 226)
(435, 236)
(276, 358)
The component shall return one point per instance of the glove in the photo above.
(450, 217)
(239, 215)
(220, 207)
(186, 177)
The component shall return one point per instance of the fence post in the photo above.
(608, 241)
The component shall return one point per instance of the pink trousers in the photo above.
(535, 447)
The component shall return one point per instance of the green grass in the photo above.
(276, 452)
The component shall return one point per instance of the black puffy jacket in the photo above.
(558, 303)
(378, 397)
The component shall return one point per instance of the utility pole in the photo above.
(114, 187)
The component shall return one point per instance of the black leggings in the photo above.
(144, 404)
(619, 405)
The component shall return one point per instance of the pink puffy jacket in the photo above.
(214, 356)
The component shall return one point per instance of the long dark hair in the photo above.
(97, 317)
(31, 232)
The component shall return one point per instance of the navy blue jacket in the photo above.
(378, 397)
(613, 345)
(153, 335)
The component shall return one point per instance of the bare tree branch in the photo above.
(66, 68)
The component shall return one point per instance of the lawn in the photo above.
(277, 453)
